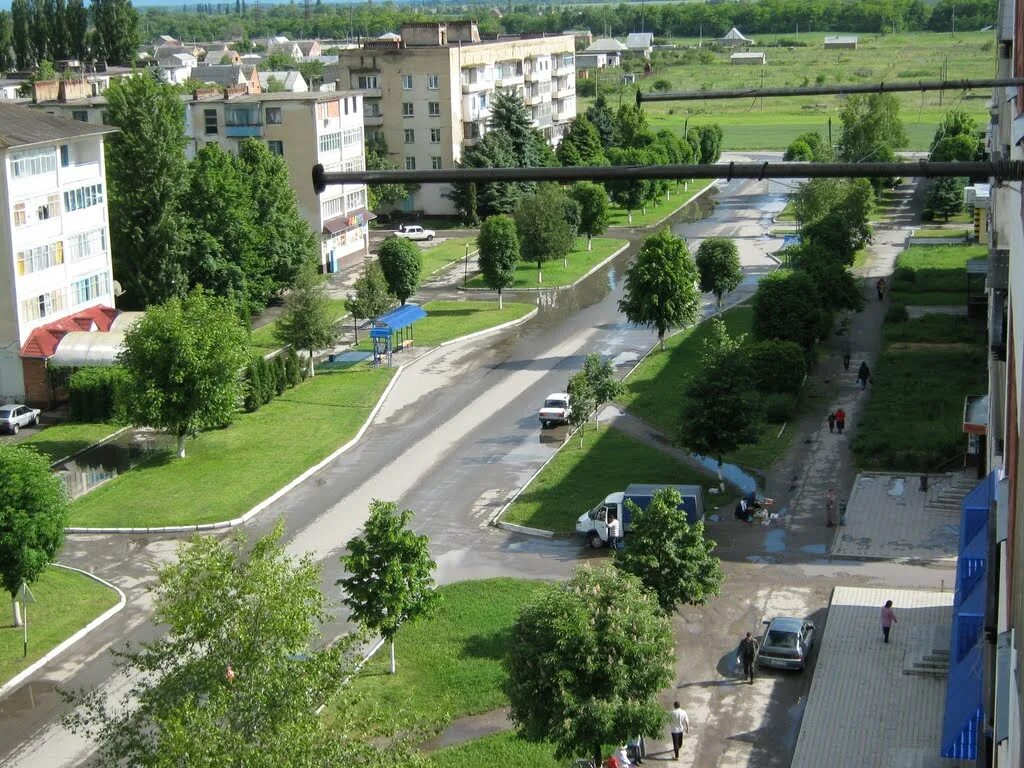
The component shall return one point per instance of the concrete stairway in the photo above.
(946, 493)
(927, 653)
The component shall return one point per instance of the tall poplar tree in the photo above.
(77, 27)
(117, 30)
(41, 17)
(7, 62)
(59, 48)
(24, 53)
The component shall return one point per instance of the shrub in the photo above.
(787, 306)
(662, 84)
(586, 88)
(774, 365)
(92, 392)
(253, 397)
(819, 80)
(779, 406)
(266, 391)
(897, 313)
(280, 375)
(293, 369)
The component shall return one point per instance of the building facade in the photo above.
(56, 274)
(427, 96)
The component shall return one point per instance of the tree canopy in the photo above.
(787, 306)
(371, 296)
(402, 263)
(307, 320)
(498, 242)
(544, 230)
(718, 262)
(870, 122)
(594, 214)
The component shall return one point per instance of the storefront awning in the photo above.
(340, 223)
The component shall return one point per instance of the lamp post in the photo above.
(465, 271)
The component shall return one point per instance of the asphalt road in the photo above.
(457, 436)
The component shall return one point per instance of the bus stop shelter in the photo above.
(393, 331)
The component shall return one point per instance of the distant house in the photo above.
(217, 55)
(389, 36)
(176, 68)
(290, 81)
(612, 49)
(640, 42)
(841, 41)
(164, 40)
(748, 57)
(287, 48)
(163, 51)
(227, 75)
(586, 61)
(583, 36)
(734, 38)
(309, 50)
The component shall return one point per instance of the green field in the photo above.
(655, 213)
(580, 262)
(228, 471)
(438, 255)
(447, 320)
(62, 440)
(933, 275)
(775, 122)
(65, 602)
(504, 749)
(940, 232)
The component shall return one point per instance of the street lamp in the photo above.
(465, 271)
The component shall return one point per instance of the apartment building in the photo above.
(56, 276)
(427, 95)
(304, 128)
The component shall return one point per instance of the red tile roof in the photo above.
(43, 341)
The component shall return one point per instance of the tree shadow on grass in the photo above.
(490, 645)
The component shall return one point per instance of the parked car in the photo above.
(787, 643)
(555, 409)
(414, 232)
(15, 416)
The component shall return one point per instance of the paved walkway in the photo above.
(862, 710)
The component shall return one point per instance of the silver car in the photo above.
(787, 643)
(15, 416)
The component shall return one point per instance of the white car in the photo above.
(414, 232)
(15, 416)
(555, 409)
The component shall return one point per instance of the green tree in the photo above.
(870, 121)
(960, 148)
(581, 145)
(954, 122)
(630, 194)
(544, 232)
(817, 149)
(33, 515)
(671, 557)
(146, 164)
(787, 307)
(7, 58)
(312, 72)
(774, 365)
(582, 402)
(307, 321)
(815, 198)
(600, 376)
(402, 263)
(238, 670)
(371, 298)
(586, 662)
(391, 573)
(718, 263)
(594, 214)
(21, 24)
(661, 285)
(498, 242)
(78, 26)
(183, 360)
(510, 116)
(273, 84)
(837, 288)
(798, 151)
(116, 36)
(59, 30)
(42, 13)
(631, 128)
(599, 114)
(946, 197)
(382, 195)
(845, 228)
(276, 62)
(476, 201)
(710, 142)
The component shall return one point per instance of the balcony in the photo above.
(566, 69)
(372, 119)
(537, 75)
(565, 92)
(243, 131)
(542, 121)
(370, 93)
(473, 81)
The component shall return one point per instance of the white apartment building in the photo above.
(427, 95)
(56, 276)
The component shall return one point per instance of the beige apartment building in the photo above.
(428, 94)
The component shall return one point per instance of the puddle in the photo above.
(897, 487)
(625, 358)
(732, 473)
(775, 541)
(96, 465)
(760, 559)
(814, 549)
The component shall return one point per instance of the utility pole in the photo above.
(830, 131)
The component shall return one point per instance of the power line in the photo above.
(1009, 170)
(826, 90)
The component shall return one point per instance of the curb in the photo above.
(15, 681)
(485, 331)
(553, 287)
(663, 219)
(527, 530)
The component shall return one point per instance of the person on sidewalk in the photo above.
(679, 724)
(840, 420)
(880, 287)
(831, 518)
(863, 375)
(748, 653)
(831, 421)
(846, 359)
(888, 619)
(614, 532)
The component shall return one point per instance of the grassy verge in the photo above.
(581, 261)
(447, 320)
(62, 440)
(437, 256)
(938, 232)
(577, 479)
(933, 275)
(65, 602)
(228, 471)
(261, 340)
(935, 329)
(655, 213)
(449, 665)
(504, 749)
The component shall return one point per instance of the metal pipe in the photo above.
(1012, 170)
(826, 90)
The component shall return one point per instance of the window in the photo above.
(435, 163)
(435, 135)
(332, 208)
(406, 109)
(433, 82)
(20, 216)
(242, 116)
(273, 115)
(43, 305)
(355, 164)
(90, 288)
(367, 81)
(37, 209)
(355, 200)
(83, 197)
(210, 121)
(434, 107)
(352, 136)
(40, 258)
(410, 136)
(48, 208)
(277, 147)
(86, 244)
(406, 82)
(330, 141)
(33, 162)
(65, 155)
(80, 115)
(410, 163)
(328, 109)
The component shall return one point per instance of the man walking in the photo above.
(840, 420)
(748, 653)
(680, 724)
(614, 532)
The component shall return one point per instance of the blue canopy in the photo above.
(395, 320)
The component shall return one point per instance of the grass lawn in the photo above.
(787, 214)
(448, 320)
(61, 440)
(935, 329)
(438, 255)
(938, 232)
(504, 749)
(933, 274)
(577, 479)
(655, 213)
(65, 602)
(228, 471)
(261, 340)
(581, 261)
(860, 258)
(449, 665)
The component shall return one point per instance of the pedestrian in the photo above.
(679, 725)
(888, 619)
(623, 757)
(614, 532)
(748, 653)
(846, 359)
(863, 375)
(880, 287)
(831, 421)
(830, 508)
(840, 420)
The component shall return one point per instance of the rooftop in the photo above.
(21, 126)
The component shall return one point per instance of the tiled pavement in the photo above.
(862, 711)
(888, 518)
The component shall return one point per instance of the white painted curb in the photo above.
(485, 331)
(573, 284)
(663, 219)
(19, 678)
